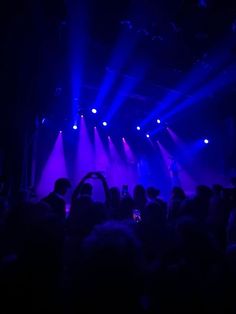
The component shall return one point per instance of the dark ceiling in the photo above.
(172, 37)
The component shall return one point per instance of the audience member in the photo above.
(139, 196)
(142, 261)
(115, 198)
(175, 203)
(108, 278)
(56, 198)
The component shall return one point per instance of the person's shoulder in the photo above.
(53, 197)
(47, 198)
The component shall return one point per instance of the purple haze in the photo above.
(85, 154)
(54, 168)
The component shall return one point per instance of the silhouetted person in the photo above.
(152, 194)
(176, 200)
(84, 212)
(56, 198)
(108, 277)
(126, 208)
(140, 199)
(153, 197)
(115, 198)
(152, 228)
(86, 189)
(38, 250)
(198, 206)
(217, 213)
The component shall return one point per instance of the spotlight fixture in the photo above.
(81, 115)
(60, 131)
(104, 123)
(94, 110)
(138, 128)
(158, 121)
(206, 141)
(75, 127)
(147, 135)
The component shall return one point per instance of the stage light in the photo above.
(43, 120)
(158, 121)
(94, 110)
(147, 135)
(60, 132)
(75, 127)
(138, 128)
(206, 141)
(82, 116)
(104, 123)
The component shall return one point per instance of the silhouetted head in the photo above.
(152, 192)
(178, 192)
(84, 215)
(204, 192)
(61, 186)
(86, 189)
(109, 272)
(115, 195)
(111, 247)
(217, 189)
(139, 192)
(126, 208)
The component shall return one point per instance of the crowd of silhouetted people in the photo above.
(129, 254)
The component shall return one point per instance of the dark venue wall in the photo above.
(33, 65)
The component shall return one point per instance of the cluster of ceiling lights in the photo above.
(104, 123)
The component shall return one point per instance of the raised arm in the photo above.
(105, 187)
(79, 186)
